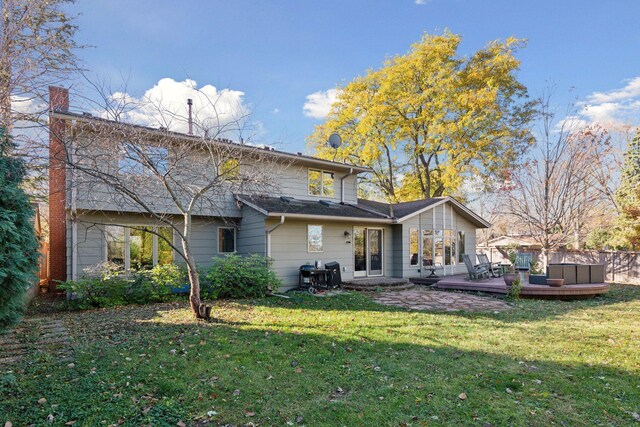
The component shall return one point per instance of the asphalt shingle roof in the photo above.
(363, 209)
(399, 209)
(288, 205)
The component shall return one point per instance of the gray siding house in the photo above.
(313, 214)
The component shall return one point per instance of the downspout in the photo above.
(74, 219)
(342, 184)
(271, 230)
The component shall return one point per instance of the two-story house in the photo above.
(313, 213)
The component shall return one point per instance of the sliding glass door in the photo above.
(367, 251)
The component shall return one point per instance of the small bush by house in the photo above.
(107, 285)
(236, 276)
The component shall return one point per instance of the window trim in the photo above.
(138, 168)
(127, 243)
(322, 172)
(417, 263)
(321, 238)
(235, 239)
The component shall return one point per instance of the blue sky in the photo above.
(279, 52)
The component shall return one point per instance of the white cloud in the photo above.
(319, 103)
(421, 1)
(631, 90)
(275, 110)
(613, 107)
(165, 105)
(27, 105)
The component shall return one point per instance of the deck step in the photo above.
(427, 281)
(372, 284)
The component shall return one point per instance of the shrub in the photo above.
(107, 284)
(535, 268)
(516, 288)
(236, 276)
(18, 242)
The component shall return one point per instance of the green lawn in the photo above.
(343, 360)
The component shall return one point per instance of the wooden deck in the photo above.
(497, 286)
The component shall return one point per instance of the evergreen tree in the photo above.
(18, 242)
(628, 195)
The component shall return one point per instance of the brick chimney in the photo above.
(58, 102)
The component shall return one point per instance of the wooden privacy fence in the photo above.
(620, 266)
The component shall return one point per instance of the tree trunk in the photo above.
(5, 69)
(544, 258)
(200, 310)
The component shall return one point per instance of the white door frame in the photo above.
(367, 271)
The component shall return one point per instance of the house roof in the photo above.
(400, 210)
(405, 210)
(288, 206)
(364, 210)
(296, 157)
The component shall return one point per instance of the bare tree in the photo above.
(609, 161)
(166, 176)
(555, 194)
(36, 50)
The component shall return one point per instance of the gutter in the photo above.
(271, 230)
(333, 218)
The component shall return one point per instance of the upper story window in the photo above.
(320, 183)
(230, 169)
(135, 160)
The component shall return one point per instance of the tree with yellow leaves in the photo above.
(428, 119)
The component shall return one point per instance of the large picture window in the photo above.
(115, 239)
(314, 238)
(454, 245)
(137, 247)
(141, 248)
(449, 254)
(413, 246)
(461, 243)
(320, 183)
(226, 240)
(438, 254)
(427, 247)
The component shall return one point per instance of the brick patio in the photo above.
(426, 299)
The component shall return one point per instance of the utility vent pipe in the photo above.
(189, 104)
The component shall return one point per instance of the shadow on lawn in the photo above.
(317, 375)
(523, 310)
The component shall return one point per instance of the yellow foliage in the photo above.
(433, 116)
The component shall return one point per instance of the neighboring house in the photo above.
(521, 242)
(497, 248)
(313, 214)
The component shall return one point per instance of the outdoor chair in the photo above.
(475, 271)
(523, 261)
(523, 265)
(494, 267)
